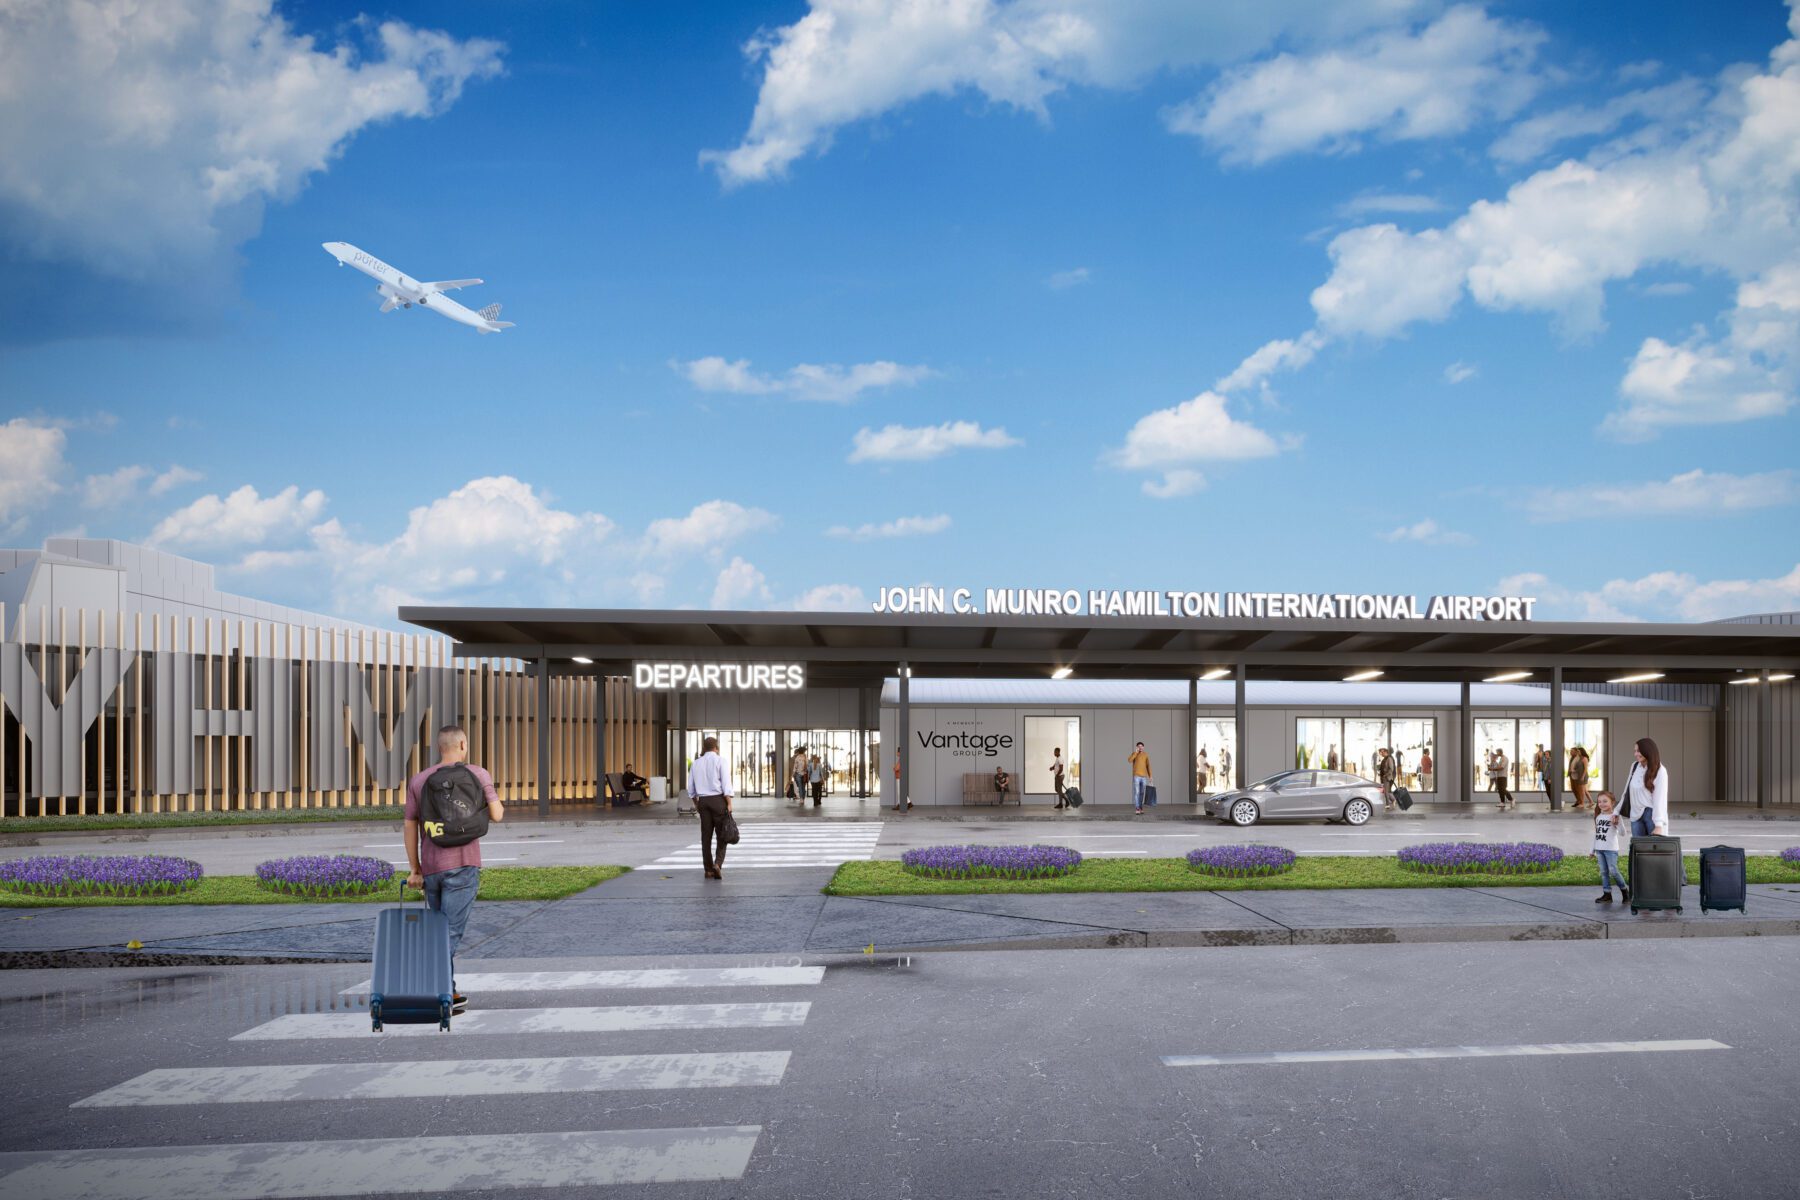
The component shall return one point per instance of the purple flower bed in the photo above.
(1481, 858)
(1791, 856)
(990, 862)
(100, 875)
(325, 874)
(1240, 861)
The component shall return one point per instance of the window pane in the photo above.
(1363, 740)
(1216, 756)
(1415, 749)
(1493, 737)
(1318, 742)
(1534, 755)
(1585, 738)
(1044, 736)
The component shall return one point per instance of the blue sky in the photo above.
(1377, 295)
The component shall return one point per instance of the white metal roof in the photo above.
(1172, 693)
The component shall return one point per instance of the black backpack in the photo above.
(453, 807)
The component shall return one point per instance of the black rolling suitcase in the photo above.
(1723, 882)
(411, 981)
(1072, 797)
(1403, 798)
(1657, 874)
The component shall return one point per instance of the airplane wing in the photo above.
(450, 285)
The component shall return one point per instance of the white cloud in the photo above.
(1393, 86)
(901, 443)
(1369, 203)
(830, 597)
(31, 465)
(708, 527)
(807, 381)
(1660, 596)
(1282, 354)
(1693, 493)
(1197, 430)
(1063, 280)
(1175, 483)
(138, 138)
(1534, 136)
(243, 518)
(740, 585)
(648, 586)
(849, 60)
(1427, 532)
(1384, 279)
(113, 488)
(1460, 372)
(899, 527)
(176, 476)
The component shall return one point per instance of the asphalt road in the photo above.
(1655, 1069)
(642, 843)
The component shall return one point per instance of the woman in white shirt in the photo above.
(1647, 792)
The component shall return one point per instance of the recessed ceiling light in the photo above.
(586, 662)
(1360, 676)
(1509, 677)
(1783, 678)
(1217, 673)
(1646, 677)
(1062, 672)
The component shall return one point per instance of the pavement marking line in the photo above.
(747, 865)
(643, 977)
(442, 1166)
(614, 1019)
(465, 1077)
(484, 841)
(1266, 1057)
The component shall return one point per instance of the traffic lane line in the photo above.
(1268, 1057)
(381, 1166)
(624, 1018)
(643, 977)
(484, 841)
(437, 1079)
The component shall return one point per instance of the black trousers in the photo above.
(712, 810)
(1505, 796)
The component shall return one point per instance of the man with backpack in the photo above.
(448, 807)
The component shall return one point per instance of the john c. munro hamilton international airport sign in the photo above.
(1326, 606)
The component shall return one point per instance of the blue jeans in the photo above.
(452, 893)
(1642, 825)
(1138, 784)
(1609, 869)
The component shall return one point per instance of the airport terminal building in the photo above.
(128, 683)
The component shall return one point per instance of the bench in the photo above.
(615, 784)
(978, 788)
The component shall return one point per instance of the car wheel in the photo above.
(1244, 812)
(1358, 811)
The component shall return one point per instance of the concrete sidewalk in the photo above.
(781, 911)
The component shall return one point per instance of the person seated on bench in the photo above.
(631, 782)
(1002, 780)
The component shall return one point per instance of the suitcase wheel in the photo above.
(1634, 910)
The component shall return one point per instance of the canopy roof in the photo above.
(862, 649)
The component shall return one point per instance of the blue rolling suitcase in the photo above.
(1149, 795)
(411, 982)
(1723, 879)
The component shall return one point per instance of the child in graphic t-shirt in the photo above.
(1607, 826)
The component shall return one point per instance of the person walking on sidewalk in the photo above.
(1647, 792)
(1607, 824)
(1140, 776)
(1497, 772)
(1058, 775)
(817, 772)
(1384, 775)
(709, 786)
(1578, 776)
(450, 876)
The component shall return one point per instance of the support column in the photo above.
(871, 713)
(543, 736)
(1554, 776)
(1723, 716)
(1237, 766)
(600, 738)
(1193, 750)
(678, 775)
(1466, 789)
(1765, 739)
(903, 783)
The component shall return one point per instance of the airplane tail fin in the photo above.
(491, 312)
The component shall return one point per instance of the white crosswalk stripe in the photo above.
(784, 844)
(438, 1166)
(617, 1019)
(443, 1165)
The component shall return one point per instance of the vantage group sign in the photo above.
(1327, 606)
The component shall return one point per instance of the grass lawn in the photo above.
(197, 820)
(1174, 875)
(497, 883)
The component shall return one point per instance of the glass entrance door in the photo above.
(749, 755)
(842, 751)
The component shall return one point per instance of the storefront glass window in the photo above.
(1318, 743)
(1589, 735)
(1363, 740)
(1415, 751)
(1043, 737)
(1492, 736)
(1217, 740)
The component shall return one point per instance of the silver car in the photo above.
(1299, 795)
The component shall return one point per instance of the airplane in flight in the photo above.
(400, 290)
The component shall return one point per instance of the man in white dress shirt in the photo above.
(709, 785)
